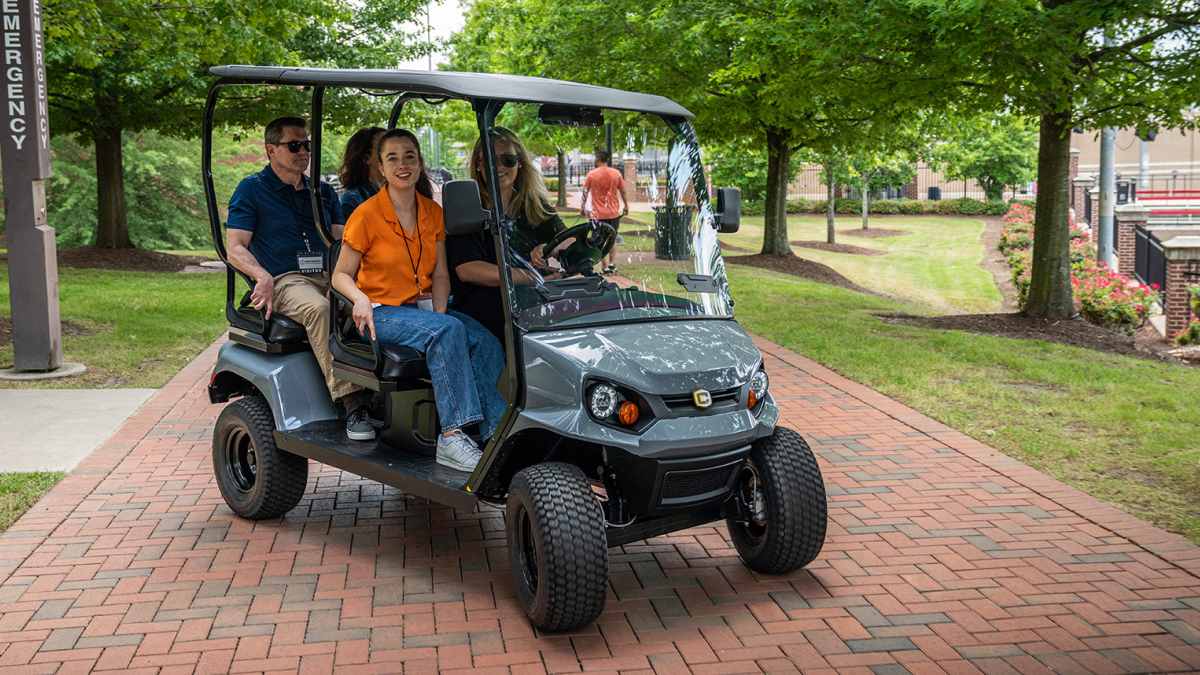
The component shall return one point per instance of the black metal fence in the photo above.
(931, 184)
(1149, 261)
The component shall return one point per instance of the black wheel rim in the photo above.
(751, 486)
(528, 552)
(241, 461)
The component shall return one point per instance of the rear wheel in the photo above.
(781, 486)
(258, 480)
(557, 546)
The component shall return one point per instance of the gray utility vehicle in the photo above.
(633, 411)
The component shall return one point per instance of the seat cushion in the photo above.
(282, 329)
(398, 362)
(279, 329)
(401, 362)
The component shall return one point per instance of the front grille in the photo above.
(685, 403)
(687, 485)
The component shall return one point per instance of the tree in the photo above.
(749, 70)
(997, 151)
(874, 171)
(126, 65)
(1048, 60)
(743, 164)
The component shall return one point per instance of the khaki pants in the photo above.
(301, 297)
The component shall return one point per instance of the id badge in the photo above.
(425, 301)
(310, 262)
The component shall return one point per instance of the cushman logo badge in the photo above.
(702, 398)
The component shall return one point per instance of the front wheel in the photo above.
(557, 546)
(258, 480)
(783, 527)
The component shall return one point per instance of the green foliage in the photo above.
(551, 184)
(163, 189)
(999, 152)
(1191, 334)
(19, 491)
(742, 164)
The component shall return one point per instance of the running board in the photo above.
(326, 442)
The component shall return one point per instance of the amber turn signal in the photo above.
(753, 400)
(629, 413)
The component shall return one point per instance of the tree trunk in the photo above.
(112, 229)
(830, 191)
(865, 199)
(1050, 292)
(775, 236)
(562, 177)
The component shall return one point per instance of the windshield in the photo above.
(588, 241)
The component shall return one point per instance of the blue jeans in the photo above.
(463, 395)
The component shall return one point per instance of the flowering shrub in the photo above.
(1107, 298)
(1191, 334)
(1102, 296)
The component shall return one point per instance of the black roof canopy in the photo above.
(514, 88)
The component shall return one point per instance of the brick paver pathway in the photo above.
(943, 556)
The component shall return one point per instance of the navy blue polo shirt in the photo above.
(356, 196)
(280, 216)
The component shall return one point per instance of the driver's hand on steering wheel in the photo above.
(537, 256)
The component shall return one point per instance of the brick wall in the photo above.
(1176, 307)
(1125, 219)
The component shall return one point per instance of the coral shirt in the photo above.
(389, 254)
(604, 185)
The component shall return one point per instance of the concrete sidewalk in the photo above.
(943, 556)
(54, 429)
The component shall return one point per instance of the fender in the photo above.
(292, 383)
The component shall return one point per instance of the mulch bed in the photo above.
(836, 248)
(822, 274)
(68, 328)
(873, 234)
(1070, 332)
(125, 259)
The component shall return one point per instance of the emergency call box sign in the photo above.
(24, 124)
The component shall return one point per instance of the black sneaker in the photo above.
(358, 424)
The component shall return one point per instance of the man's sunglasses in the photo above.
(508, 160)
(294, 146)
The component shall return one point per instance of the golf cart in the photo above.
(635, 409)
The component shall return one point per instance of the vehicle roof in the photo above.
(514, 88)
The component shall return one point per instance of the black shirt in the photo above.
(484, 303)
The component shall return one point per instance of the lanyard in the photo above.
(420, 241)
(291, 201)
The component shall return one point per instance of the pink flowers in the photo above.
(1102, 295)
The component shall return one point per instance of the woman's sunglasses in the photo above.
(294, 146)
(508, 160)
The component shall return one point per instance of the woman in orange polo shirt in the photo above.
(394, 244)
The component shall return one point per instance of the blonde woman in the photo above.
(474, 274)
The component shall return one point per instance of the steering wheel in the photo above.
(593, 241)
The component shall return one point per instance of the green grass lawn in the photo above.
(19, 491)
(935, 268)
(142, 327)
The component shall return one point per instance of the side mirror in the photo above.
(462, 212)
(729, 210)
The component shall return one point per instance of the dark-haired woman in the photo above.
(359, 172)
(393, 244)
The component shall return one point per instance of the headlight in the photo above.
(758, 387)
(602, 401)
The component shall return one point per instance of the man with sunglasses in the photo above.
(272, 237)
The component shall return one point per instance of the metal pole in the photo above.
(1143, 169)
(1104, 234)
(608, 141)
(428, 35)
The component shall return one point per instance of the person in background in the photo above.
(393, 268)
(601, 188)
(474, 274)
(359, 172)
(272, 237)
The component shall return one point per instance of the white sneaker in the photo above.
(458, 451)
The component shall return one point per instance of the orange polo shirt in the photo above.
(389, 254)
